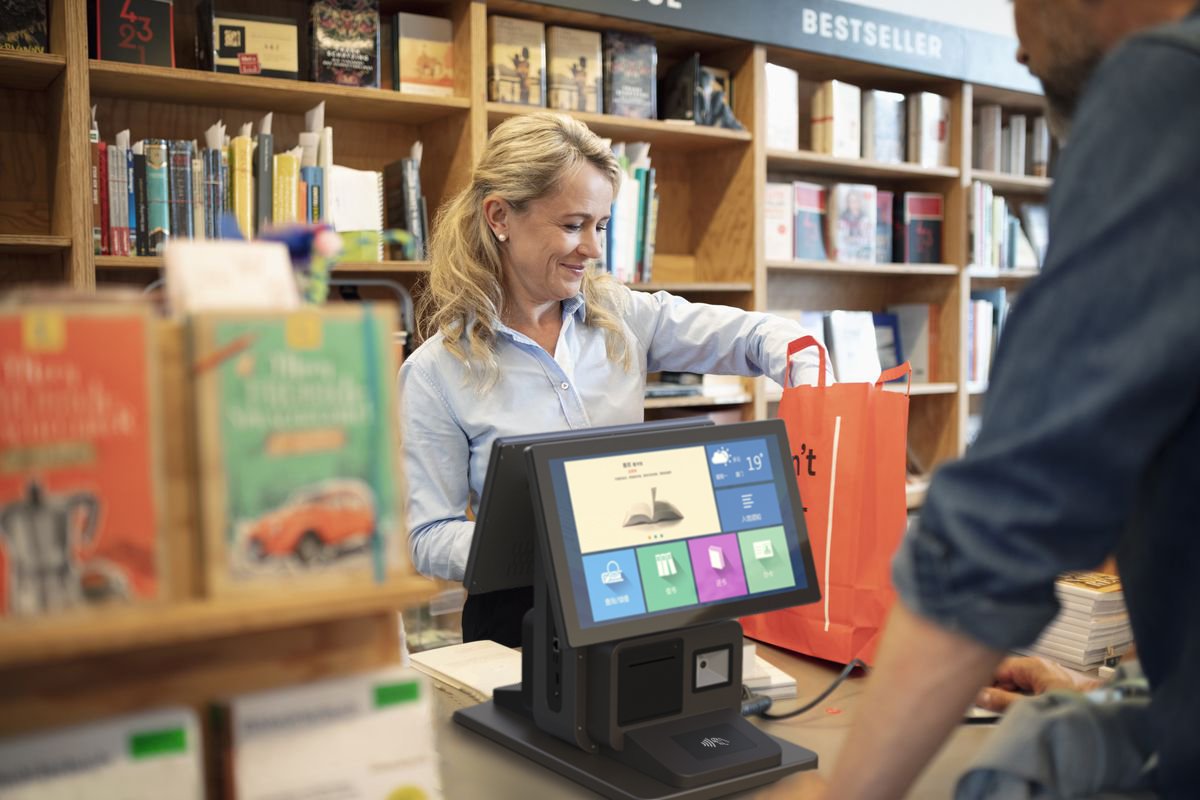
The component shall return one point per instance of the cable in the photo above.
(752, 705)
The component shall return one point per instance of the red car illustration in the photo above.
(314, 521)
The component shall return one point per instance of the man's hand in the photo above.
(1025, 675)
(807, 785)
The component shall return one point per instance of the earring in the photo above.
(502, 237)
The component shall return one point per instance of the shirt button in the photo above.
(564, 386)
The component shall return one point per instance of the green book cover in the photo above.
(298, 445)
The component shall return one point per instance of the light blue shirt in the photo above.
(449, 426)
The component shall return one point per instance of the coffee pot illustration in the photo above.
(41, 534)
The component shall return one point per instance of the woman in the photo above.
(523, 338)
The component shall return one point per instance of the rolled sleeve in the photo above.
(1094, 373)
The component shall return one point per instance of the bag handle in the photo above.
(803, 343)
(904, 370)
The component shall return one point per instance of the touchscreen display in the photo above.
(655, 531)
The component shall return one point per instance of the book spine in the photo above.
(131, 222)
(396, 22)
(286, 179)
(102, 179)
(264, 185)
(641, 176)
(180, 182)
(214, 193)
(412, 204)
(241, 183)
(809, 203)
(312, 199)
(97, 220)
(651, 232)
(1040, 148)
(142, 204)
(115, 201)
(198, 220)
(158, 198)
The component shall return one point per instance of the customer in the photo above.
(1092, 426)
(525, 337)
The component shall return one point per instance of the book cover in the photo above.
(298, 443)
(179, 177)
(102, 179)
(344, 42)
(241, 183)
(576, 80)
(94, 148)
(133, 31)
(851, 339)
(837, 120)
(783, 110)
(131, 219)
(214, 193)
(247, 44)
(852, 215)
(142, 201)
(158, 195)
(402, 195)
(517, 61)
(423, 54)
(883, 126)
(919, 218)
(198, 220)
(918, 327)
(989, 127)
(888, 341)
(1039, 148)
(630, 75)
(929, 129)
(778, 221)
(264, 181)
(23, 26)
(80, 501)
(1035, 221)
(678, 98)
(116, 201)
(286, 178)
(313, 178)
(883, 226)
(809, 203)
(1014, 156)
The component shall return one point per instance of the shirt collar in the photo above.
(572, 306)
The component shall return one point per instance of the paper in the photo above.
(214, 276)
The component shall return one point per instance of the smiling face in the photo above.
(548, 244)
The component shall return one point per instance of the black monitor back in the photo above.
(502, 547)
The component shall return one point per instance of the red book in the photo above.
(105, 228)
(919, 227)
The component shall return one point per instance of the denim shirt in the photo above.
(449, 426)
(1091, 431)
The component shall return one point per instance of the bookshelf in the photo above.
(32, 72)
(1005, 183)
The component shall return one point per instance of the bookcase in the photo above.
(710, 248)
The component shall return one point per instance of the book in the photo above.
(850, 336)
(1039, 148)
(286, 177)
(837, 119)
(97, 220)
(474, 668)
(884, 215)
(883, 126)
(648, 513)
(852, 215)
(809, 205)
(133, 31)
(929, 129)
(356, 211)
(576, 80)
(214, 190)
(313, 201)
(783, 111)
(918, 227)
(1014, 154)
(80, 458)
(920, 338)
(988, 129)
(402, 196)
(1035, 220)
(517, 61)
(118, 237)
(297, 440)
(778, 221)
(142, 202)
(241, 182)
(102, 180)
(363, 735)
(344, 42)
(980, 316)
(630, 75)
(689, 93)
(264, 171)
(246, 44)
(198, 220)
(158, 195)
(423, 54)
(887, 340)
(151, 755)
(23, 26)
(179, 182)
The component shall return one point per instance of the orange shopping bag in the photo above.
(848, 448)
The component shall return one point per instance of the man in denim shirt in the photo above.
(1090, 443)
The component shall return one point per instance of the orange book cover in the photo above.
(79, 486)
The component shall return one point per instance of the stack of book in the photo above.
(1093, 624)
(632, 228)
(1004, 237)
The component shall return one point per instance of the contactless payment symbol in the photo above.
(763, 550)
(612, 574)
(665, 565)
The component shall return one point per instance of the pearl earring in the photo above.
(503, 237)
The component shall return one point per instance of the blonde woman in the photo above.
(522, 338)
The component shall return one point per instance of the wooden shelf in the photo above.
(10, 243)
(661, 134)
(1001, 275)
(922, 389)
(1013, 184)
(697, 400)
(168, 85)
(821, 164)
(44, 640)
(30, 71)
(864, 269)
(156, 263)
(915, 492)
(692, 288)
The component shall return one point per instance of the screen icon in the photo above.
(665, 564)
(716, 557)
(612, 574)
(764, 550)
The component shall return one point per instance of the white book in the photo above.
(883, 126)
(851, 339)
(851, 221)
(918, 337)
(1039, 148)
(1018, 131)
(778, 222)
(837, 120)
(929, 129)
(989, 127)
(475, 668)
(783, 108)
(983, 339)
(154, 755)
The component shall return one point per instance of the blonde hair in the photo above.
(524, 160)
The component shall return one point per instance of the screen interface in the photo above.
(657, 531)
